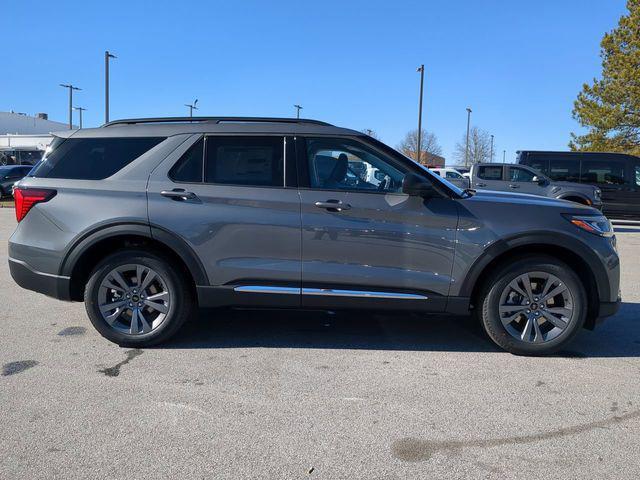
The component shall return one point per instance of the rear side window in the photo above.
(564, 170)
(490, 172)
(92, 158)
(189, 167)
(603, 172)
(251, 161)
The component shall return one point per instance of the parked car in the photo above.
(9, 175)
(20, 156)
(464, 171)
(509, 177)
(453, 176)
(145, 220)
(616, 174)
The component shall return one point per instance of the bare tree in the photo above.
(429, 146)
(371, 133)
(479, 147)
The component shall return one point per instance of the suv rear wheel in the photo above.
(135, 298)
(533, 306)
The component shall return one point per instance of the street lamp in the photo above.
(298, 108)
(491, 157)
(192, 107)
(421, 70)
(107, 56)
(80, 109)
(466, 150)
(71, 89)
(504, 155)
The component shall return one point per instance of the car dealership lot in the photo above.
(314, 395)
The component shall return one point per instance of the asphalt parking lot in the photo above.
(313, 395)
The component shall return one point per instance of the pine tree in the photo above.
(610, 107)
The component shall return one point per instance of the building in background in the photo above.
(23, 138)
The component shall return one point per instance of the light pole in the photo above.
(80, 109)
(421, 70)
(466, 150)
(71, 89)
(107, 56)
(192, 107)
(298, 108)
(504, 155)
(491, 157)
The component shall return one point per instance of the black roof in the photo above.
(551, 152)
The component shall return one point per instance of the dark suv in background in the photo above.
(144, 220)
(617, 175)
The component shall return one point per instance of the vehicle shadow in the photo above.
(619, 336)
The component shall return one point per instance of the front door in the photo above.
(226, 197)
(368, 244)
(521, 180)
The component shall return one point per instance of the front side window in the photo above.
(520, 175)
(343, 164)
(92, 158)
(603, 172)
(492, 172)
(456, 175)
(250, 161)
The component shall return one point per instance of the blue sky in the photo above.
(518, 64)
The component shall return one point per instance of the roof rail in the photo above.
(132, 121)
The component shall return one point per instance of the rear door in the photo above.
(233, 200)
(489, 177)
(366, 245)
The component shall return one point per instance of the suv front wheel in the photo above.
(533, 306)
(135, 298)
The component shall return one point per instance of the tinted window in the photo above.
(603, 172)
(564, 170)
(520, 175)
(189, 167)
(490, 172)
(537, 164)
(637, 175)
(332, 162)
(453, 175)
(257, 161)
(92, 158)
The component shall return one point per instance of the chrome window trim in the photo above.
(267, 289)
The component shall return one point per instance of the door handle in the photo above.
(333, 205)
(511, 185)
(178, 194)
(481, 184)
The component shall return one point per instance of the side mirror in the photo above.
(418, 186)
(543, 182)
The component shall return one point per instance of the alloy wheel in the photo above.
(536, 307)
(133, 299)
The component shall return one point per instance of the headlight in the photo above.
(597, 194)
(596, 224)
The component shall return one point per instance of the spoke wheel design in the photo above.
(133, 299)
(536, 307)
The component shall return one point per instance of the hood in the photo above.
(527, 199)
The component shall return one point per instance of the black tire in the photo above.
(180, 308)
(491, 291)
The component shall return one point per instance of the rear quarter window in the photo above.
(92, 158)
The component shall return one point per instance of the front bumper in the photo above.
(56, 286)
(608, 309)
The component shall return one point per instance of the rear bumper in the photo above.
(56, 286)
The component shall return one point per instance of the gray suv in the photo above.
(145, 220)
(523, 179)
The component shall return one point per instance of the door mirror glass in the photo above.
(416, 185)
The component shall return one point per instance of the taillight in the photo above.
(26, 198)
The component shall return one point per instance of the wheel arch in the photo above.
(576, 197)
(564, 248)
(83, 255)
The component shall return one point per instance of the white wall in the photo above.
(27, 125)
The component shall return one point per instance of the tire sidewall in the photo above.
(173, 282)
(490, 312)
